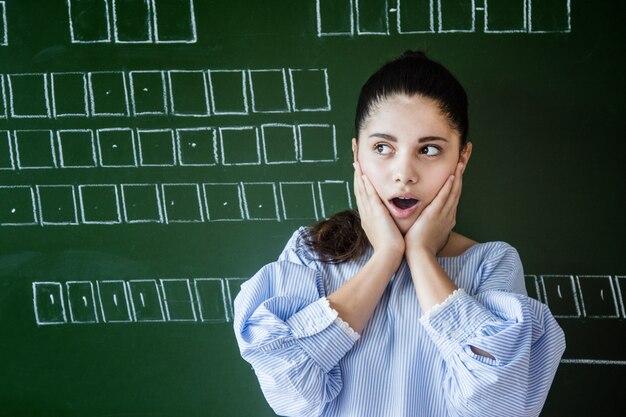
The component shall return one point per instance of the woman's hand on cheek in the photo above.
(381, 230)
(433, 226)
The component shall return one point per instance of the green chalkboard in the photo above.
(156, 153)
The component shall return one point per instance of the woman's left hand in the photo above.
(433, 226)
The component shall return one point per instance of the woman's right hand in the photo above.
(381, 230)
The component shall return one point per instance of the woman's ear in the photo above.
(466, 152)
(355, 150)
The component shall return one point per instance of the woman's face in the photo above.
(407, 149)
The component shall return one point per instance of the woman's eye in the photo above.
(430, 150)
(382, 149)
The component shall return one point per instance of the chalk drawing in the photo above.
(260, 201)
(89, 21)
(4, 31)
(368, 22)
(28, 96)
(298, 200)
(34, 149)
(188, 93)
(211, 296)
(81, 301)
(182, 203)
(561, 295)
(334, 17)
(156, 147)
(317, 143)
(17, 206)
(223, 201)
(114, 303)
(141, 203)
(3, 100)
(268, 91)
(334, 196)
(197, 146)
(146, 302)
(280, 143)
(116, 147)
(57, 205)
(108, 93)
(48, 303)
(180, 306)
(240, 145)
(131, 21)
(168, 21)
(597, 296)
(76, 148)
(225, 87)
(99, 204)
(148, 92)
(6, 151)
(305, 83)
(69, 94)
(415, 16)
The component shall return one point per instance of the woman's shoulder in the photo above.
(459, 245)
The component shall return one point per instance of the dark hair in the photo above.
(341, 237)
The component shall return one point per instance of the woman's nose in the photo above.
(405, 172)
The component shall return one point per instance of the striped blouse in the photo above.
(404, 363)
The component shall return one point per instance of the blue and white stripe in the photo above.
(405, 363)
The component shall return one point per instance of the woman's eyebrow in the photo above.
(392, 138)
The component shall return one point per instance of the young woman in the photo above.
(387, 311)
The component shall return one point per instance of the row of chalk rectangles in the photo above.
(114, 301)
(578, 296)
(123, 147)
(191, 93)
(210, 299)
(371, 17)
(48, 205)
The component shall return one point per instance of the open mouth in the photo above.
(403, 203)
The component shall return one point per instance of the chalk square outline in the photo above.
(132, 140)
(440, 21)
(245, 201)
(231, 297)
(82, 204)
(191, 299)
(582, 296)
(46, 97)
(197, 129)
(194, 32)
(173, 145)
(321, 194)
(537, 287)
(16, 149)
(4, 36)
(71, 24)
(75, 206)
(164, 201)
(104, 318)
(60, 148)
(285, 91)
(55, 114)
(569, 19)
(224, 301)
(318, 13)
(205, 90)
(334, 132)
(92, 100)
(620, 283)
(131, 81)
(408, 32)
(295, 143)
(116, 39)
(132, 302)
(244, 92)
(10, 147)
(32, 198)
(35, 284)
(93, 301)
(525, 18)
(326, 86)
(159, 204)
(3, 100)
(282, 198)
(358, 21)
(574, 294)
(256, 139)
(239, 196)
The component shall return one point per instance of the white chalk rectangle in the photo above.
(116, 147)
(228, 91)
(108, 93)
(34, 149)
(182, 203)
(240, 145)
(456, 16)
(76, 148)
(132, 21)
(597, 295)
(506, 16)
(197, 146)
(223, 201)
(156, 147)
(335, 196)
(549, 16)
(310, 90)
(81, 301)
(146, 301)
(3, 98)
(4, 32)
(533, 288)
(372, 17)
(114, 304)
(178, 300)
(48, 303)
(57, 205)
(317, 143)
(141, 203)
(89, 21)
(212, 299)
(69, 94)
(260, 201)
(233, 286)
(188, 93)
(561, 295)
(6, 151)
(17, 206)
(280, 144)
(620, 283)
(99, 204)
(148, 92)
(334, 17)
(298, 200)
(415, 16)
(268, 90)
(28, 96)
(174, 21)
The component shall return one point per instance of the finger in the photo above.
(443, 194)
(358, 189)
(455, 193)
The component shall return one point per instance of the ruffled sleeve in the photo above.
(520, 333)
(290, 335)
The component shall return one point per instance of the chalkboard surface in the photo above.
(156, 153)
